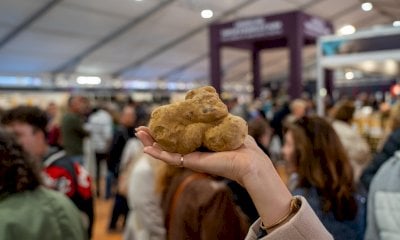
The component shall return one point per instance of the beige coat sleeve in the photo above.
(305, 225)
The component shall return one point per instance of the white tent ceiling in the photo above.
(150, 39)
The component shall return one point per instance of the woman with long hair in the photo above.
(320, 171)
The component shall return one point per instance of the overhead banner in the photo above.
(251, 29)
(316, 27)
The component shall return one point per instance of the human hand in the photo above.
(238, 165)
(247, 165)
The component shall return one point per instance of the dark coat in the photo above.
(391, 145)
(340, 230)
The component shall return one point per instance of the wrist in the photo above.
(295, 205)
(268, 192)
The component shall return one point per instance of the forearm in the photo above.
(269, 194)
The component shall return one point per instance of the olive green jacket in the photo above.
(40, 214)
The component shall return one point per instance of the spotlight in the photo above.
(207, 13)
(367, 6)
(349, 75)
(88, 80)
(346, 30)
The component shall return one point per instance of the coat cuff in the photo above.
(303, 225)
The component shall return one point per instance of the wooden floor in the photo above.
(103, 212)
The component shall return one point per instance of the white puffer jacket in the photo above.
(383, 217)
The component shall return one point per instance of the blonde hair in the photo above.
(394, 117)
(164, 175)
(298, 103)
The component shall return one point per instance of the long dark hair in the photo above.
(323, 163)
(17, 171)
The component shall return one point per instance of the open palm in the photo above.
(237, 165)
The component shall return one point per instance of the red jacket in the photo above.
(62, 174)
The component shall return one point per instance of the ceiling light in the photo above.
(349, 75)
(367, 6)
(322, 92)
(88, 80)
(347, 29)
(396, 23)
(207, 13)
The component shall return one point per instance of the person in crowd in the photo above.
(383, 202)
(282, 216)
(145, 219)
(391, 145)
(360, 153)
(321, 172)
(114, 112)
(51, 110)
(54, 114)
(198, 206)
(100, 126)
(60, 172)
(72, 131)
(234, 107)
(27, 210)
(132, 151)
(1, 112)
(281, 113)
(261, 131)
(121, 136)
(136, 182)
(298, 109)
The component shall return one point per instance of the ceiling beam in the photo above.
(178, 40)
(184, 66)
(369, 20)
(243, 73)
(28, 22)
(309, 4)
(344, 12)
(383, 11)
(73, 62)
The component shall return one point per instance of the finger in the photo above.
(142, 128)
(170, 158)
(145, 138)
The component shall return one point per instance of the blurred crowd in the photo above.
(87, 149)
